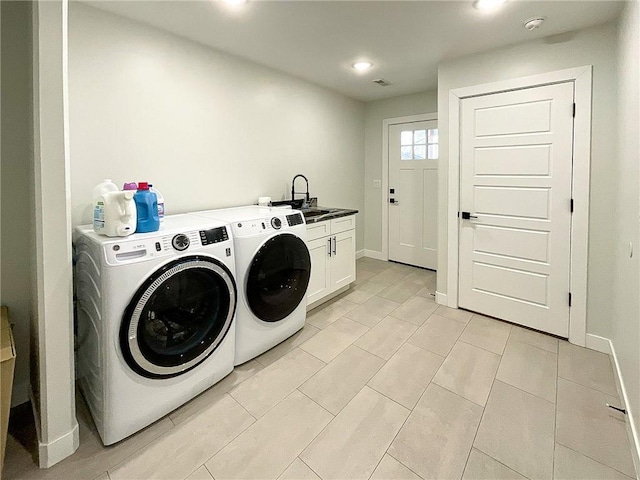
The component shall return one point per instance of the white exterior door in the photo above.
(413, 193)
(515, 183)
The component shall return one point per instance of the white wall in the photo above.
(593, 46)
(625, 318)
(206, 128)
(375, 112)
(17, 182)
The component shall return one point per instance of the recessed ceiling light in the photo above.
(533, 23)
(362, 66)
(235, 2)
(488, 4)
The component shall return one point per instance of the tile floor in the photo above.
(382, 383)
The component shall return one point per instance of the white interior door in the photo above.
(515, 183)
(413, 193)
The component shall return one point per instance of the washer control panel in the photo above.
(131, 250)
(214, 235)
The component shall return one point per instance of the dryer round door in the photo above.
(278, 277)
(178, 317)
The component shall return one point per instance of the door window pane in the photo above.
(419, 144)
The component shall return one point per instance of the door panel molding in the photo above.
(386, 123)
(582, 79)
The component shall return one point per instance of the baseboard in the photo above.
(53, 452)
(599, 344)
(605, 345)
(441, 298)
(374, 254)
(359, 254)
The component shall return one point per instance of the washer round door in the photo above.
(278, 277)
(178, 317)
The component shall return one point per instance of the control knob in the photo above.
(276, 223)
(180, 242)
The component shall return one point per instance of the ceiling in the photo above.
(319, 40)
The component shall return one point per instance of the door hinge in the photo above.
(569, 298)
(572, 205)
(574, 110)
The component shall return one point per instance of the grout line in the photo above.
(481, 348)
(501, 463)
(255, 419)
(368, 352)
(334, 415)
(209, 471)
(596, 461)
(388, 398)
(530, 345)
(484, 411)
(404, 465)
(400, 429)
(590, 388)
(528, 393)
(308, 466)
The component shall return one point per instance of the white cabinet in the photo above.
(332, 247)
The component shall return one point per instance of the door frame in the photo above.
(386, 123)
(582, 78)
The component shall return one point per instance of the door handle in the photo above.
(467, 216)
(335, 245)
(329, 246)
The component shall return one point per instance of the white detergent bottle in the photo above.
(98, 207)
(160, 202)
(119, 213)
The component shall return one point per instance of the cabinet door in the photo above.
(343, 260)
(320, 280)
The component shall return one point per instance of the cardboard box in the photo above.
(7, 363)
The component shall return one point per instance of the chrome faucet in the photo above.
(293, 190)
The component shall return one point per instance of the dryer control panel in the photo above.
(260, 226)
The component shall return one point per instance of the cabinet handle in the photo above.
(329, 246)
(335, 245)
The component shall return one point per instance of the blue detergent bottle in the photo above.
(146, 209)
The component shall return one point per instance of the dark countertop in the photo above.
(320, 214)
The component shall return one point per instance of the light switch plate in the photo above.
(377, 184)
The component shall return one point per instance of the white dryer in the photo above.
(272, 269)
(155, 319)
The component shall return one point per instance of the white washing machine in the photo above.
(155, 319)
(272, 269)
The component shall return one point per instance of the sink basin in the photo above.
(317, 212)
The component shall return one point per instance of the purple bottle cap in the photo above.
(130, 186)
